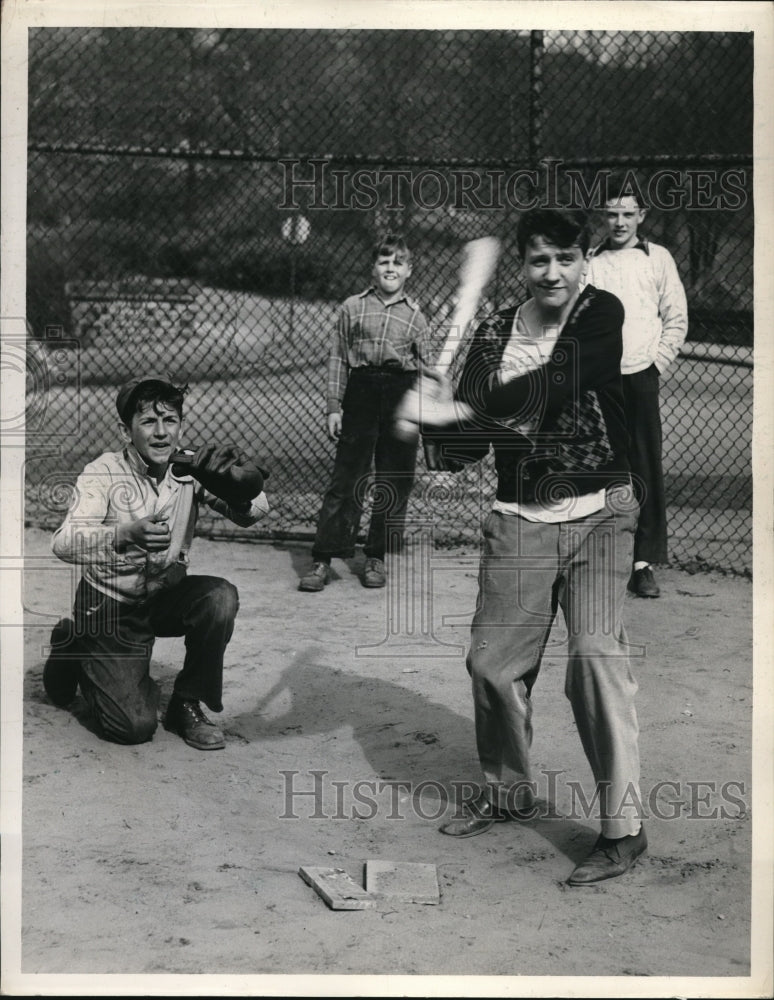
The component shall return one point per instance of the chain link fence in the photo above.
(199, 202)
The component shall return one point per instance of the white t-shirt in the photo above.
(530, 346)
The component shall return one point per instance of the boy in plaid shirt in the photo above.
(374, 353)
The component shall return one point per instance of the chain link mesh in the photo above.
(199, 202)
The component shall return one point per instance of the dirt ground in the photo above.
(160, 859)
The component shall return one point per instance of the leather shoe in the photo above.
(643, 583)
(316, 578)
(479, 816)
(375, 575)
(609, 859)
(187, 719)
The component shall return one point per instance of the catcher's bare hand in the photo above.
(149, 533)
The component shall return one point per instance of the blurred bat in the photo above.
(479, 261)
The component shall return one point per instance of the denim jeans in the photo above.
(527, 571)
(113, 642)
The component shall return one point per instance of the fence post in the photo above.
(536, 97)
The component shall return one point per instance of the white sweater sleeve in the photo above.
(673, 311)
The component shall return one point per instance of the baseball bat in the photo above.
(479, 260)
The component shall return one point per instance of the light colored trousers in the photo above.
(527, 571)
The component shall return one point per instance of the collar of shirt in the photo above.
(136, 464)
(641, 244)
(371, 290)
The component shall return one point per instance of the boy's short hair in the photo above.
(622, 184)
(388, 244)
(138, 392)
(561, 227)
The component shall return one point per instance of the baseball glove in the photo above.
(223, 470)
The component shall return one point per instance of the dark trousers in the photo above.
(113, 643)
(367, 434)
(641, 399)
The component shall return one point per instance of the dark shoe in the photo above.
(61, 672)
(609, 859)
(643, 583)
(316, 578)
(187, 719)
(375, 574)
(479, 816)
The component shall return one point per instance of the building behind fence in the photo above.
(201, 212)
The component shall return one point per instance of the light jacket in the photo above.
(116, 489)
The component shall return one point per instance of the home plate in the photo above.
(335, 886)
(406, 881)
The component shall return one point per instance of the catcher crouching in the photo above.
(130, 527)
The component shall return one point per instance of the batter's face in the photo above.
(154, 432)
(389, 275)
(553, 275)
(622, 218)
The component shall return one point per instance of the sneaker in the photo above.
(316, 578)
(187, 719)
(375, 574)
(643, 583)
(61, 672)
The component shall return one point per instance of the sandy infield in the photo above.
(162, 859)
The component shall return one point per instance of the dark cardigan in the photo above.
(573, 402)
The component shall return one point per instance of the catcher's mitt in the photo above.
(224, 470)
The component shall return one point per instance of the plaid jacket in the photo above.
(572, 405)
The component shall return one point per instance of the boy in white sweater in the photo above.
(643, 275)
